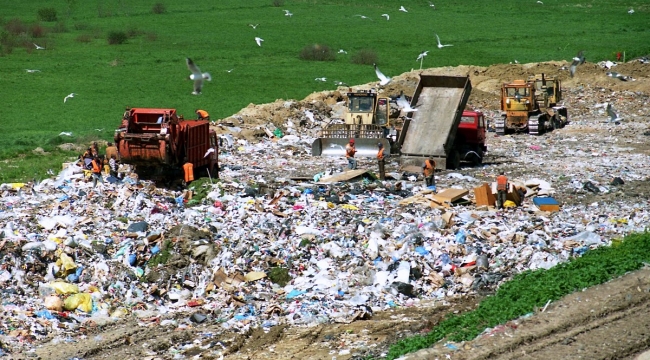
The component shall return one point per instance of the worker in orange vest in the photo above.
(97, 171)
(202, 114)
(350, 150)
(381, 161)
(502, 190)
(188, 170)
(429, 170)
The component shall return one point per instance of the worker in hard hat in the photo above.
(350, 150)
(202, 114)
(429, 171)
(502, 189)
(381, 161)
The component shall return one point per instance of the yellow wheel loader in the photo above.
(531, 106)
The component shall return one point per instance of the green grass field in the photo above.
(149, 69)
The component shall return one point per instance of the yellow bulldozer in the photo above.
(367, 121)
(531, 106)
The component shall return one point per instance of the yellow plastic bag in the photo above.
(349, 207)
(67, 264)
(83, 302)
(509, 204)
(63, 288)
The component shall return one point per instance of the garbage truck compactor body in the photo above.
(158, 139)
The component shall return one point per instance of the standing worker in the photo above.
(429, 170)
(188, 170)
(97, 171)
(381, 161)
(502, 189)
(350, 150)
(202, 114)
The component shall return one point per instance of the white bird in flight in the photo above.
(259, 40)
(254, 26)
(363, 17)
(539, 2)
(404, 105)
(422, 55)
(386, 16)
(210, 151)
(229, 71)
(287, 13)
(65, 133)
(432, 5)
(197, 76)
(39, 47)
(32, 70)
(631, 11)
(440, 46)
(321, 79)
(340, 83)
(383, 79)
(65, 99)
(341, 51)
(402, 8)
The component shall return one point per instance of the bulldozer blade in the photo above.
(336, 147)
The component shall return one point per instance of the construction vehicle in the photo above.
(532, 106)
(158, 142)
(367, 121)
(440, 128)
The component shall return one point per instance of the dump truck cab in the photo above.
(470, 136)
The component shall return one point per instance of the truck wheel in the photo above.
(479, 159)
(453, 161)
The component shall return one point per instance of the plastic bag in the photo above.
(83, 302)
(64, 288)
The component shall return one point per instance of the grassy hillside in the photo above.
(148, 70)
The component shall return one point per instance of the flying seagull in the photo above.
(404, 105)
(440, 46)
(197, 76)
(363, 17)
(287, 13)
(65, 99)
(577, 60)
(432, 5)
(229, 71)
(259, 40)
(383, 79)
(631, 11)
(65, 133)
(386, 16)
(39, 47)
(421, 57)
(613, 115)
(210, 151)
(539, 2)
(341, 51)
(32, 71)
(254, 26)
(402, 8)
(340, 83)
(321, 79)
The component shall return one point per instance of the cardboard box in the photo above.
(546, 203)
(483, 195)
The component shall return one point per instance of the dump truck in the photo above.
(367, 121)
(441, 128)
(531, 106)
(158, 142)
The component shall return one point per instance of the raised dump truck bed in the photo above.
(431, 131)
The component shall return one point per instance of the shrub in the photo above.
(159, 8)
(132, 31)
(365, 57)
(47, 14)
(59, 27)
(152, 36)
(278, 3)
(16, 27)
(317, 52)
(117, 37)
(84, 38)
(37, 30)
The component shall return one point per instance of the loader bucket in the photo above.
(336, 147)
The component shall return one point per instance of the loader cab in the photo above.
(548, 89)
(365, 107)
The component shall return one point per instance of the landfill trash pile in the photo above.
(269, 245)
